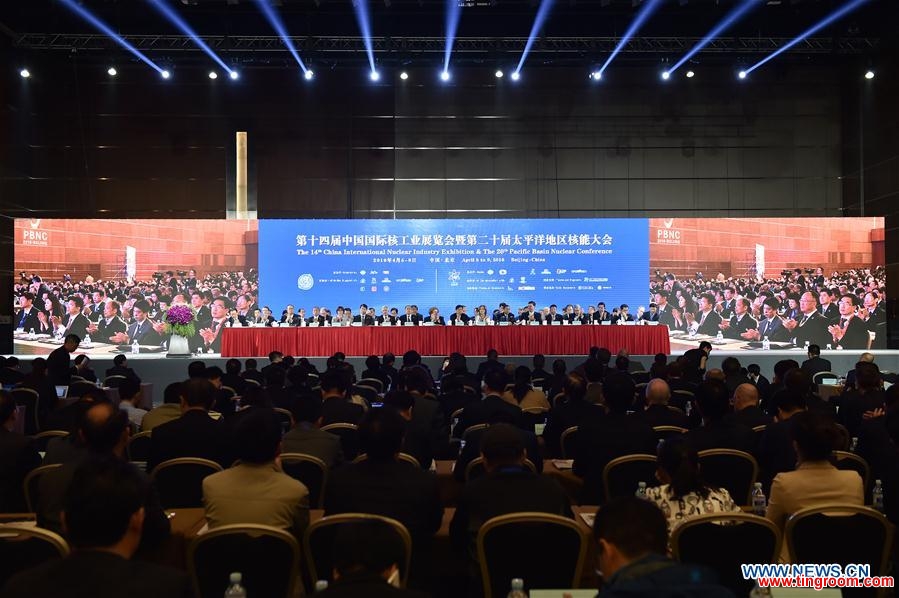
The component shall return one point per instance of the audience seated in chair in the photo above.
(255, 490)
(746, 408)
(367, 555)
(130, 399)
(495, 381)
(194, 434)
(816, 482)
(337, 407)
(105, 433)
(717, 431)
(169, 410)
(656, 412)
(572, 410)
(684, 493)
(17, 457)
(104, 522)
(508, 487)
(632, 537)
(305, 437)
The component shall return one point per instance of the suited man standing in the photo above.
(707, 320)
(828, 309)
(110, 324)
(59, 362)
(815, 363)
(740, 321)
(74, 321)
(811, 327)
(26, 318)
(849, 332)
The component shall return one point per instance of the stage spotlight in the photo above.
(175, 19)
(515, 76)
(234, 75)
(444, 76)
(644, 13)
(275, 21)
(741, 74)
(453, 14)
(869, 75)
(404, 75)
(690, 74)
(112, 72)
(539, 20)
(213, 75)
(596, 75)
(165, 74)
(308, 75)
(374, 75)
(732, 17)
(498, 74)
(666, 75)
(24, 73)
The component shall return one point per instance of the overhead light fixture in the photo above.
(111, 71)
(741, 74)
(869, 75)
(666, 75)
(498, 74)
(690, 74)
(165, 74)
(444, 76)
(515, 76)
(213, 75)
(404, 75)
(24, 73)
(596, 75)
(374, 75)
(234, 75)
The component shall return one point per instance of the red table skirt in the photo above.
(443, 340)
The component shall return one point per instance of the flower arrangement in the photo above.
(180, 320)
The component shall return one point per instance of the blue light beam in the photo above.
(276, 23)
(181, 24)
(644, 14)
(90, 18)
(732, 17)
(834, 16)
(453, 13)
(360, 7)
(542, 13)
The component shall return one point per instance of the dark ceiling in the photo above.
(413, 29)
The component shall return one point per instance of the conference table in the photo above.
(443, 340)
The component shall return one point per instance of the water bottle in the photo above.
(321, 585)
(853, 444)
(829, 347)
(87, 340)
(759, 502)
(877, 495)
(766, 344)
(135, 347)
(31, 335)
(235, 590)
(806, 346)
(641, 490)
(517, 590)
(719, 337)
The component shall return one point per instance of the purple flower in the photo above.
(179, 314)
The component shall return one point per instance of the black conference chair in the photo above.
(180, 481)
(309, 470)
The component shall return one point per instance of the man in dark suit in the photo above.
(211, 337)
(289, 318)
(569, 411)
(26, 317)
(336, 407)
(235, 320)
(491, 363)
(656, 412)
(859, 403)
(198, 303)
(382, 485)
(386, 316)
(623, 315)
(664, 310)
(827, 308)
(363, 317)
(531, 314)
(59, 362)
(305, 437)
(815, 363)
(459, 317)
(96, 307)
(811, 327)
(554, 315)
(770, 326)
(729, 305)
(740, 321)
(141, 329)
(601, 314)
(120, 368)
(849, 332)
(105, 521)
(508, 487)
(17, 457)
(105, 431)
(775, 452)
(10, 374)
(713, 401)
(194, 434)
(746, 408)
(652, 314)
(74, 321)
(504, 314)
(417, 318)
(495, 381)
(615, 435)
(707, 320)
(427, 422)
(109, 324)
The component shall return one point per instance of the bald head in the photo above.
(657, 392)
(746, 395)
(105, 429)
(715, 374)
(867, 357)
